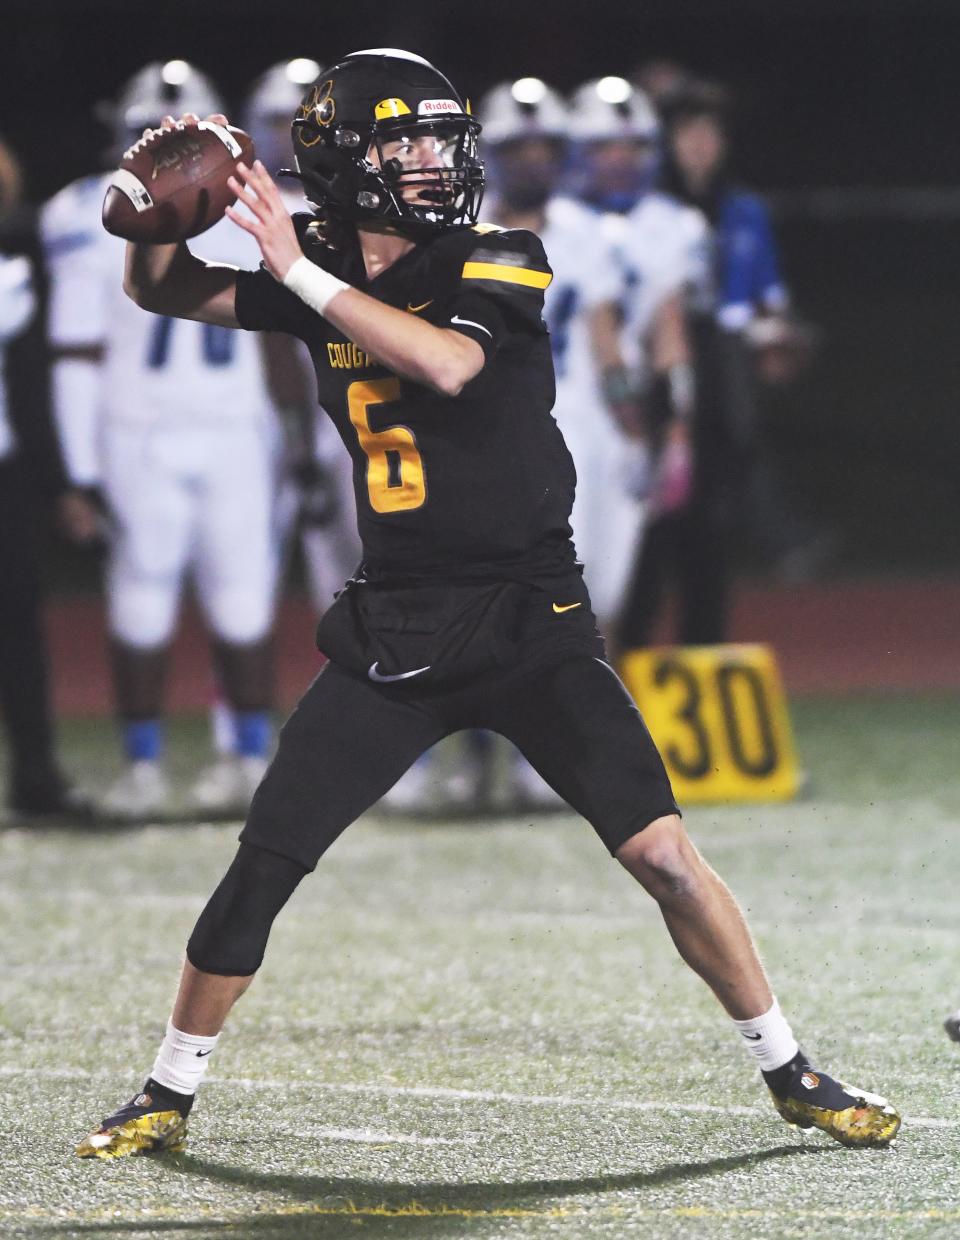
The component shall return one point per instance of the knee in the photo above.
(143, 613)
(662, 858)
(239, 615)
(231, 935)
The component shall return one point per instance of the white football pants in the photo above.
(198, 499)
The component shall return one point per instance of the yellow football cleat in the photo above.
(851, 1116)
(147, 1124)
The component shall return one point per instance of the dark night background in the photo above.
(851, 96)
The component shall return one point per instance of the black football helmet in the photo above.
(384, 135)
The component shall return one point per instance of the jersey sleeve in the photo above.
(771, 292)
(501, 283)
(262, 304)
(74, 254)
(751, 269)
(80, 259)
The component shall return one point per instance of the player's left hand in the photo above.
(82, 514)
(269, 220)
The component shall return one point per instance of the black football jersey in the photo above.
(477, 485)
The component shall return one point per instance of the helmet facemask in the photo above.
(429, 170)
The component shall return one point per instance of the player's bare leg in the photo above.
(711, 935)
(701, 914)
(204, 1000)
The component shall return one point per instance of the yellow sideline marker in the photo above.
(719, 717)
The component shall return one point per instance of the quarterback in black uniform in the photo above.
(469, 609)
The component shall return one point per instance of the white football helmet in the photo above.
(525, 136)
(162, 89)
(526, 108)
(616, 136)
(272, 104)
(277, 92)
(610, 107)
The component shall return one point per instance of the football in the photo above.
(173, 184)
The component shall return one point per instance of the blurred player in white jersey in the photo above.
(321, 498)
(662, 251)
(526, 131)
(170, 421)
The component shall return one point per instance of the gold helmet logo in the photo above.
(387, 109)
(318, 108)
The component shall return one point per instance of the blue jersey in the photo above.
(748, 268)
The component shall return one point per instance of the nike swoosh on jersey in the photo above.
(417, 309)
(384, 679)
(559, 608)
(470, 323)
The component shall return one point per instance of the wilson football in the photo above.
(173, 184)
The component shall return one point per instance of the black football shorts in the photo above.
(352, 736)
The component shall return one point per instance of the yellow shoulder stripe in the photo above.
(506, 274)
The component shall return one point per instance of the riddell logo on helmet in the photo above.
(428, 107)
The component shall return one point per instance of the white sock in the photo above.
(769, 1038)
(181, 1062)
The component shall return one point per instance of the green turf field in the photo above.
(484, 1031)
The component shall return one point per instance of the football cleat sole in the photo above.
(155, 1133)
(871, 1123)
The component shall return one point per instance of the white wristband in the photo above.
(314, 286)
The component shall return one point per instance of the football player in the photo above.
(526, 129)
(751, 311)
(434, 363)
(661, 248)
(172, 422)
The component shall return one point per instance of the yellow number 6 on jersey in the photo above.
(395, 477)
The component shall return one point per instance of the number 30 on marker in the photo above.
(719, 718)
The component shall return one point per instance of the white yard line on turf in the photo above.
(369, 1136)
(441, 1092)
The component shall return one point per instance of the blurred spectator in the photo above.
(760, 338)
(172, 420)
(31, 477)
(660, 78)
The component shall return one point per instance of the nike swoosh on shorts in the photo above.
(383, 679)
